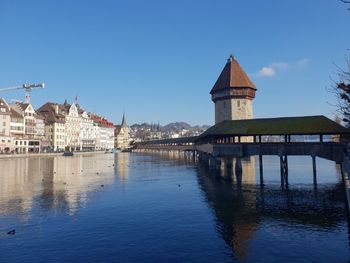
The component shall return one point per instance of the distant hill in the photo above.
(177, 126)
(171, 126)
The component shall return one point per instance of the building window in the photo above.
(238, 103)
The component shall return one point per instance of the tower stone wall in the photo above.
(233, 93)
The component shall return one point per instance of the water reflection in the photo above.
(56, 182)
(240, 208)
(168, 208)
(122, 164)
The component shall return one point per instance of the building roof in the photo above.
(5, 105)
(23, 106)
(117, 129)
(232, 76)
(15, 113)
(101, 121)
(305, 125)
(48, 110)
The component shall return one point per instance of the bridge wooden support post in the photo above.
(217, 164)
(238, 170)
(284, 170)
(203, 160)
(211, 162)
(314, 170)
(261, 170)
(200, 157)
(229, 167)
(207, 160)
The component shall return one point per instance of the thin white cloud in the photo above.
(266, 72)
(279, 65)
(272, 69)
(303, 62)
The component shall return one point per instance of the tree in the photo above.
(346, 2)
(341, 89)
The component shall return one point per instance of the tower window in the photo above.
(238, 103)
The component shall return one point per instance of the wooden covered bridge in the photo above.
(315, 136)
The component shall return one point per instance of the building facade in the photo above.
(87, 132)
(104, 133)
(27, 143)
(6, 142)
(233, 93)
(55, 129)
(122, 135)
(73, 124)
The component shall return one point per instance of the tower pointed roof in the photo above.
(232, 76)
(123, 121)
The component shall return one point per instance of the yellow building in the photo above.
(122, 135)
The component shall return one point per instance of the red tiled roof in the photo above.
(102, 121)
(232, 76)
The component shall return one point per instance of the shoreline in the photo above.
(26, 155)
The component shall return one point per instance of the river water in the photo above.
(131, 207)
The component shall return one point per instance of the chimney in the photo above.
(56, 108)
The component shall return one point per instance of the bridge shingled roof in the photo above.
(305, 125)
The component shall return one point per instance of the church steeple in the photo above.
(124, 120)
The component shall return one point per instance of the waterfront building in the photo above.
(40, 131)
(17, 131)
(104, 133)
(29, 118)
(70, 127)
(73, 124)
(6, 142)
(122, 135)
(87, 131)
(233, 93)
(28, 142)
(55, 130)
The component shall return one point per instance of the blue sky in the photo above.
(158, 60)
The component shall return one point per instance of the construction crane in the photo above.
(27, 88)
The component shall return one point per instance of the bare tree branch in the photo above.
(341, 90)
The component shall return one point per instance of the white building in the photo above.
(17, 130)
(27, 142)
(6, 142)
(107, 137)
(73, 126)
(104, 133)
(87, 132)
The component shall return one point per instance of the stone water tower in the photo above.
(233, 93)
